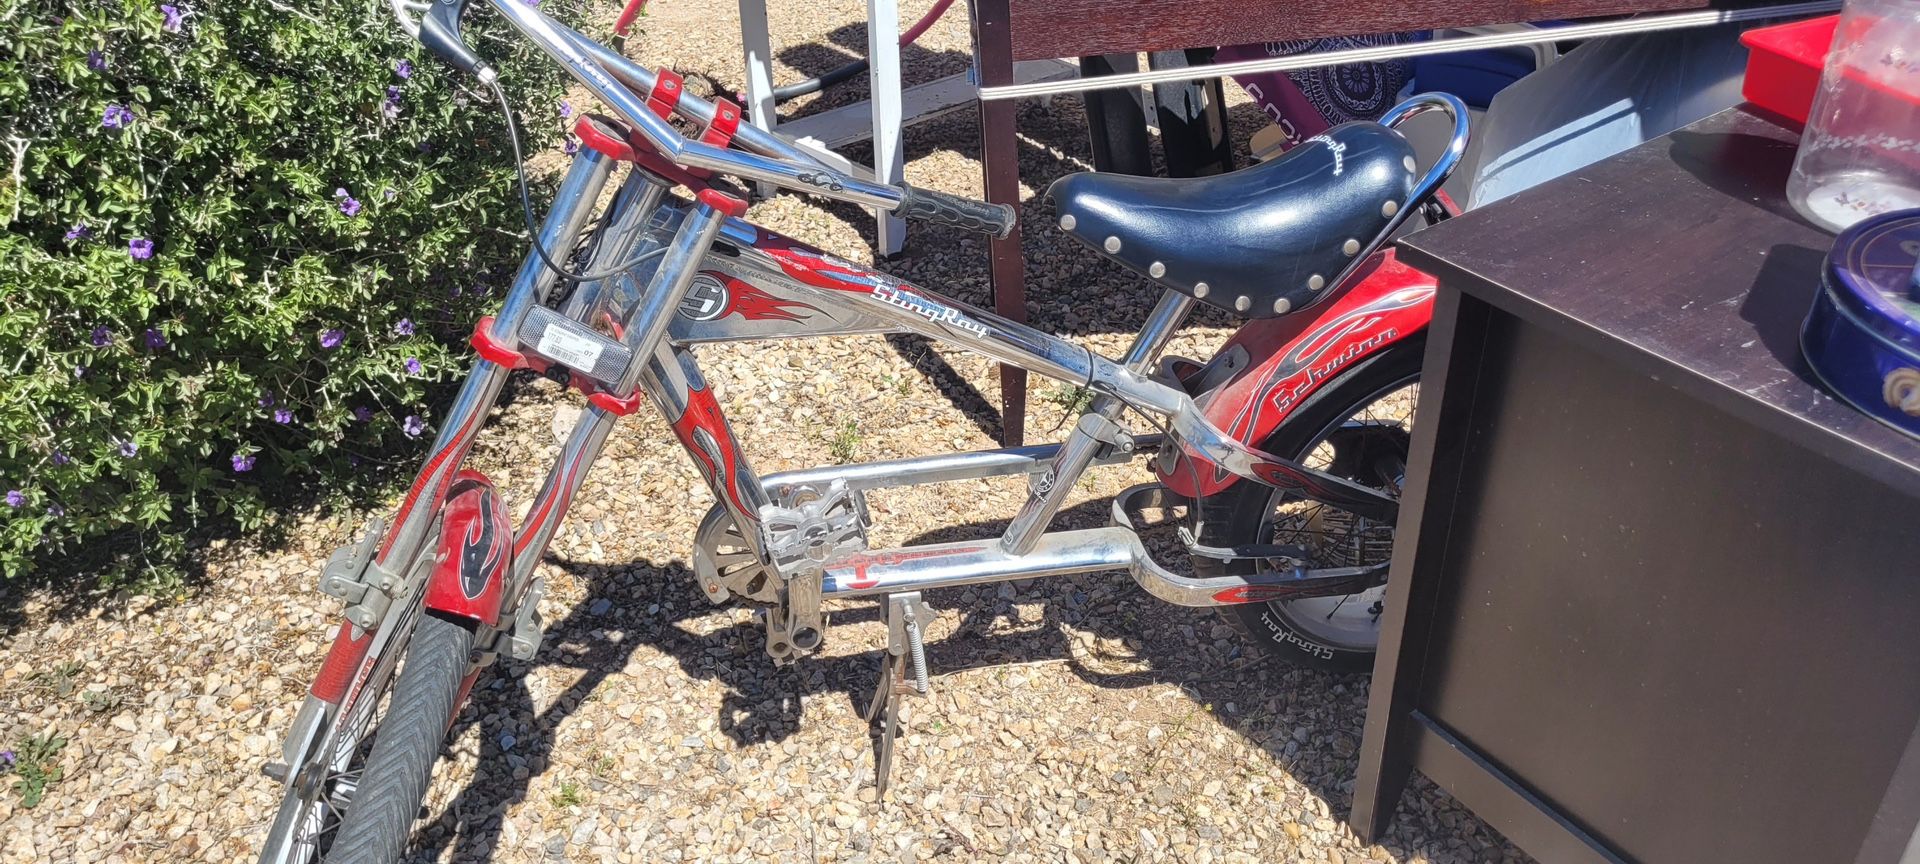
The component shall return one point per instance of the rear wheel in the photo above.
(1358, 427)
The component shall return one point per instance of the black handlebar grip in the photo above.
(931, 206)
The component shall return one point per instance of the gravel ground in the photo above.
(1073, 719)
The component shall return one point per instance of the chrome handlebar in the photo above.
(617, 81)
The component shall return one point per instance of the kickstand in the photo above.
(903, 672)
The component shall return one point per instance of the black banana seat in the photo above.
(1258, 242)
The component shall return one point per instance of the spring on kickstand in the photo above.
(917, 651)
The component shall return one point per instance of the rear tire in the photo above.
(1252, 513)
(380, 818)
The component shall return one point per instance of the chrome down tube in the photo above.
(946, 467)
(1060, 553)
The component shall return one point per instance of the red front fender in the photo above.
(475, 552)
(1282, 361)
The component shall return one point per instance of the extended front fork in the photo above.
(385, 585)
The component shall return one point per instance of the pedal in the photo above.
(903, 672)
(574, 345)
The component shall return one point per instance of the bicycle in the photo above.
(1333, 327)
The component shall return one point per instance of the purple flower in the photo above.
(79, 371)
(350, 206)
(78, 232)
(388, 193)
(155, 339)
(128, 449)
(413, 365)
(52, 510)
(96, 61)
(243, 464)
(424, 146)
(60, 458)
(330, 338)
(393, 94)
(16, 498)
(566, 108)
(571, 147)
(6, 756)
(116, 116)
(140, 248)
(362, 413)
(266, 398)
(339, 192)
(282, 416)
(413, 426)
(102, 337)
(404, 69)
(404, 328)
(172, 22)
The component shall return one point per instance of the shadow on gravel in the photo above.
(1309, 723)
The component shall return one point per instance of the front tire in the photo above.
(1358, 427)
(380, 818)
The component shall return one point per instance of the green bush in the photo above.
(242, 238)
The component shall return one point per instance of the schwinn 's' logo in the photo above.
(1339, 152)
(479, 554)
(706, 299)
(927, 309)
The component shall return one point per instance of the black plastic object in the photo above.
(930, 206)
(440, 33)
(1264, 240)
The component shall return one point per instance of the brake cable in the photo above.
(526, 204)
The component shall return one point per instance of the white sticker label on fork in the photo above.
(571, 349)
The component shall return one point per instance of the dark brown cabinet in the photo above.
(1656, 596)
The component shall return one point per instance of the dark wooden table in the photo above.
(1656, 595)
(1006, 31)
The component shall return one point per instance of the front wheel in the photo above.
(386, 800)
(1357, 427)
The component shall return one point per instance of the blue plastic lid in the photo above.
(1870, 275)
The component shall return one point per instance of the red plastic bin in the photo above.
(1784, 64)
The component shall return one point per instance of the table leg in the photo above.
(1000, 160)
(1001, 155)
(1388, 746)
(757, 44)
(889, 158)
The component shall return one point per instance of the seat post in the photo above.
(1048, 490)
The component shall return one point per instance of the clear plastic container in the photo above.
(1860, 154)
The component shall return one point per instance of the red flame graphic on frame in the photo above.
(753, 304)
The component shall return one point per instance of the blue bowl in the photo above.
(1863, 336)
